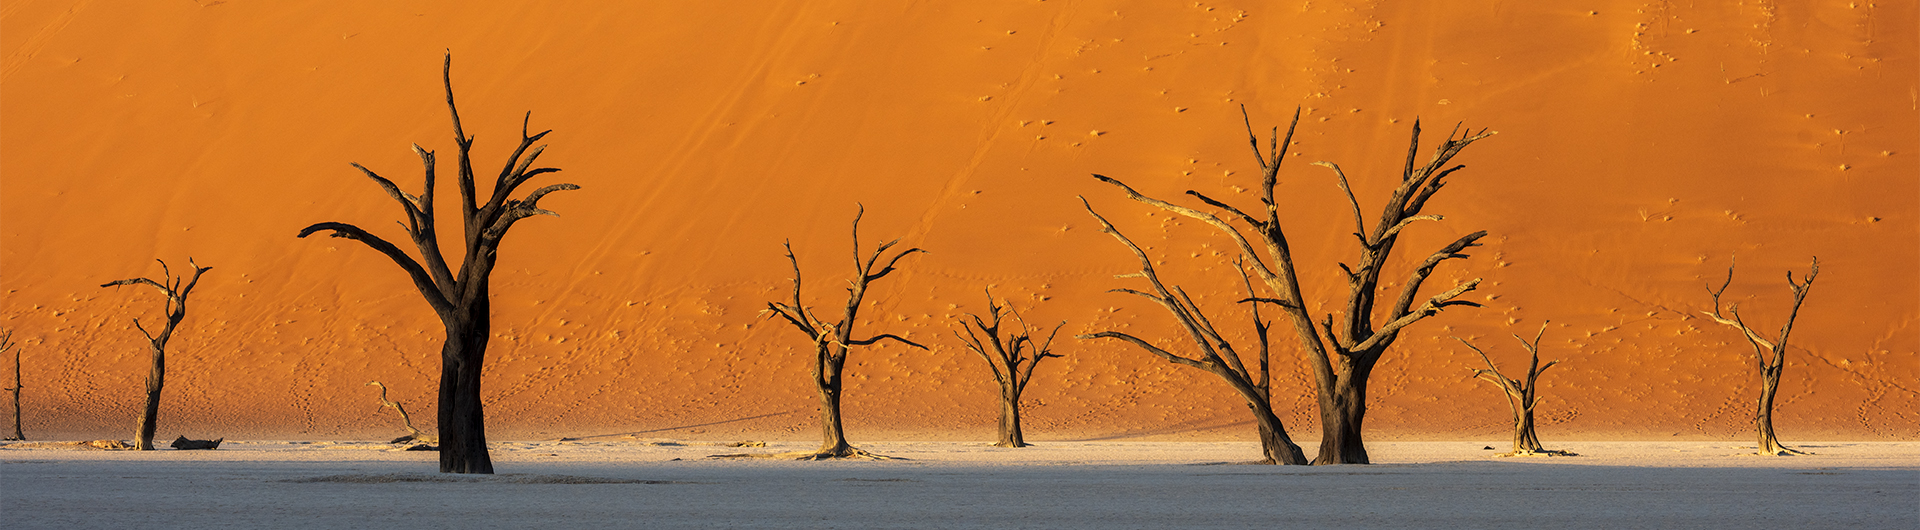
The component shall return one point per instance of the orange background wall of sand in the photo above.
(1641, 144)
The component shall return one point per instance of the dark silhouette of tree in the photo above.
(1344, 357)
(6, 344)
(1522, 394)
(157, 344)
(1770, 357)
(1011, 356)
(460, 297)
(833, 339)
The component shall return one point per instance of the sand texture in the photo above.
(1640, 145)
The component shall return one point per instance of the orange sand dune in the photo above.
(1641, 144)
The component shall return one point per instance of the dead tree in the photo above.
(413, 434)
(157, 344)
(1011, 358)
(1521, 394)
(1217, 354)
(1769, 366)
(832, 340)
(1344, 357)
(6, 343)
(459, 296)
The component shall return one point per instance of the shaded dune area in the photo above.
(1641, 146)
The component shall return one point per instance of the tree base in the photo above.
(1780, 451)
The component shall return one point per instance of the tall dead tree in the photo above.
(459, 297)
(1521, 394)
(1769, 356)
(1011, 357)
(1217, 354)
(833, 339)
(1344, 357)
(157, 344)
(6, 344)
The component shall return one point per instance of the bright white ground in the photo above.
(963, 485)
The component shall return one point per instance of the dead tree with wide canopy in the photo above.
(1342, 353)
(832, 340)
(157, 344)
(1217, 355)
(1011, 354)
(1769, 356)
(459, 296)
(1522, 394)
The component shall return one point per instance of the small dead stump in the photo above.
(184, 444)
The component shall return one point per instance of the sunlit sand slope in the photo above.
(1641, 145)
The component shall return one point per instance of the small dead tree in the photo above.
(157, 344)
(833, 339)
(1769, 357)
(460, 297)
(6, 344)
(1011, 358)
(413, 434)
(1521, 394)
(1344, 358)
(1217, 354)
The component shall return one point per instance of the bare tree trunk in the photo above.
(1342, 412)
(1763, 415)
(462, 423)
(1524, 439)
(1010, 435)
(1275, 446)
(150, 414)
(833, 434)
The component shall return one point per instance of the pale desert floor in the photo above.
(662, 483)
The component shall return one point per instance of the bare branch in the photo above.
(1164, 354)
(1430, 308)
(877, 338)
(407, 202)
(1359, 221)
(1419, 276)
(421, 280)
(1246, 248)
